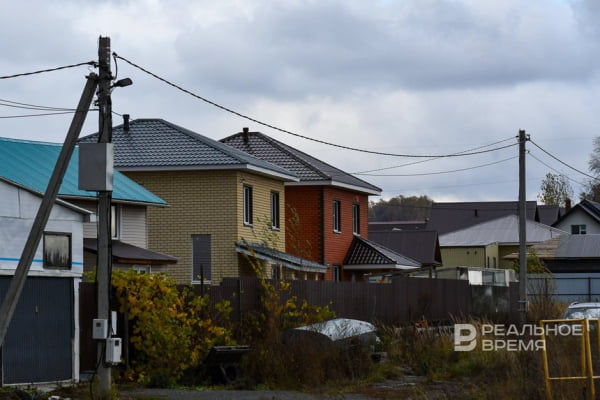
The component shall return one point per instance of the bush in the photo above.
(171, 330)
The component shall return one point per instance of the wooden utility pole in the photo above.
(522, 230)
(41, 219)
(104, 265)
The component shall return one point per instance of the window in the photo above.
(114, 221)
(275, 210)
(247, 205)
(578, 229)
(57, 250)
(335, 273)
(356, 219)
(337, 217)
(201, 258)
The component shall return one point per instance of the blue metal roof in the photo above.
(30, 164)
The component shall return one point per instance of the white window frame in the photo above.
(581, 229)
(275, 211)
(337, 216)
(115, 221)
(356, 219)
(248, 206)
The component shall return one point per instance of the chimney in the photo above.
(245, 134)
(567, 204)
(126, 122)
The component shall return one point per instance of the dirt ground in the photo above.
(409, 388)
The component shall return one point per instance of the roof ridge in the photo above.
(28, 141)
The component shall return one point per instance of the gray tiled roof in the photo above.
(503, 230)
(449, 217)
(158, 144)
(266, 253)
(422, 246)
(366, 252)
(308, 168)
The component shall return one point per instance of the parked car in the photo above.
(582, 310)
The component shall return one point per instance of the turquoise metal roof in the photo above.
(30, 164)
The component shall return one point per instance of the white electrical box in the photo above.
(113, 350)
(100, 329)
(96, 166)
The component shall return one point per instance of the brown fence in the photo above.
(400, 302)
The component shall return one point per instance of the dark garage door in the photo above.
(38, 345)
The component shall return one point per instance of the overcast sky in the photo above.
(426, 77)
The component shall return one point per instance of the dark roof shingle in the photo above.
(156, 143)
(308, 168)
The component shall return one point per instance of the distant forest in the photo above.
(400, 208)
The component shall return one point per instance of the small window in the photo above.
(114, 221)
(57, 250)
(578, 229)
(335, 273)
(356, 219)
(337, 217)
(275, 210)
(248, 205)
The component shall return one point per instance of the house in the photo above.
(44, 346)
(44, 330)
(366, 255)
(549, 214)
(574, 265)
(324, 210)
(582, 219)
(420, 245)
(219, 200)
(486, 244)
(449, 217)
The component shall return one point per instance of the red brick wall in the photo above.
(303, 237)
(315, 238)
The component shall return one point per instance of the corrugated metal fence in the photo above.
(400, 302)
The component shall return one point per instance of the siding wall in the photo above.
(463, 256)
(578, 217)
(206, 202)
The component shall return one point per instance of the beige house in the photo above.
(219, 199)
(487, 244)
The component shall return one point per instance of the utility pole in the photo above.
(104, 265)
(522, 230)
(39, 224)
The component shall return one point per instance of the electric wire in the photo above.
(36, 115)
(443, 172)
(293, 133)
(430, 159)
(564, 163)
(554, 169)
(26, 106)
(93, 63)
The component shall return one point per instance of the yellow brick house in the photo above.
(220, 200)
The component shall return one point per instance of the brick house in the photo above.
(220, 199)
(325, 209)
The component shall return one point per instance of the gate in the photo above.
(38, 346)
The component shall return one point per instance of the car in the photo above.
(582, 310)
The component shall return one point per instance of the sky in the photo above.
(410, 78)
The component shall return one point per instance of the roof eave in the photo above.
(362, 267)
(371, 192)
(232, 167)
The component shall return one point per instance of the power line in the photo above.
(93, 63)
(431, 159)
(564, 163)
(25, 106)
(115, 55)
(37, 115)
(443, 172)
(554, 169)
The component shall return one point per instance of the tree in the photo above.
(555, 190)
(400, 208)
(592, 187)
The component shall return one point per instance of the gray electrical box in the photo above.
(96, 166)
